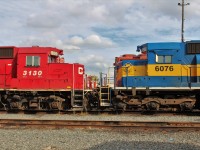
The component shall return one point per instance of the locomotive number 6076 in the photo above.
(164, 68)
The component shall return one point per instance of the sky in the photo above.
(94, 32)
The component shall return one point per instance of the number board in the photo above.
(32, 73)
(164, 70)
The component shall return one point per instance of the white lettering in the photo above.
(39, 73)
(24, 73)
(80, 70)
(32, 73)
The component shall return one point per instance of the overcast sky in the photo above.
(94, 32)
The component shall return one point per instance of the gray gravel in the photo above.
(105, 117)
(80, 139)
(96, 139)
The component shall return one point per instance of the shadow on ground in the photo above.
(123, 145)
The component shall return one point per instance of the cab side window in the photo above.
(164, 59)
(32, 61)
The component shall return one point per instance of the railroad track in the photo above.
(170, 113)
(32, 123)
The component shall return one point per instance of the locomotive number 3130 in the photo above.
(164, 68)
(32, 73)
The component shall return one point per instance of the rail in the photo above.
(33, 123)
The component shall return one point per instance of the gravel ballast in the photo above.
(80, 139)
(97, 139)
(104, 117)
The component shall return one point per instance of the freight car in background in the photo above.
(36, 78)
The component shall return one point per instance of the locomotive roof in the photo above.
(164, 45)
(35, 49)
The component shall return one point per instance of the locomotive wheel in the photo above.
(152, 106)
(186, 106)
(25, 106)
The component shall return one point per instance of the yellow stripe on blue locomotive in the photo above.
(159, 70)
(130, 70)
(165, 70)
(173, 70)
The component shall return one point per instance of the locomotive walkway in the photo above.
(57, 124)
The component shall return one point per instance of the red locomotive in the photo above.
(37, 78)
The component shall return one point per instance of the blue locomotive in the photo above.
(164, 75)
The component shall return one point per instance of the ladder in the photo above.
(104, 96)
(77, 98)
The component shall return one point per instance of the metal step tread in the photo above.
(78, 100)
(106, 104)
(78, 95)
(76, 106)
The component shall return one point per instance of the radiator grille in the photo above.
(193, 48)
(6, 52)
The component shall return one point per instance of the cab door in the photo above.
(195, 70)
(5, 75)
(2, 75)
